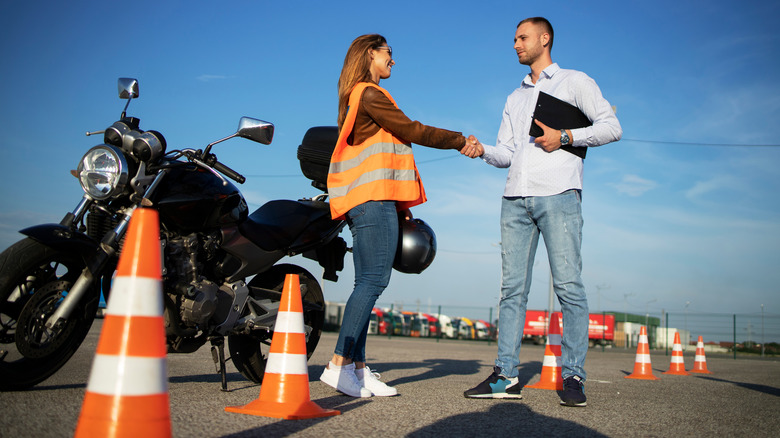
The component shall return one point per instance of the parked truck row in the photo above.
(384, 321)
(418, 324)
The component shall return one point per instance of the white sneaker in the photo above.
(370, 380)
(344, 379)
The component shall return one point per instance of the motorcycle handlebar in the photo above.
(230, 173)
(210, 161)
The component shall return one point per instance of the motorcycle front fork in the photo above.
(87, 278)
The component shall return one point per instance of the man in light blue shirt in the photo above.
(542, 196)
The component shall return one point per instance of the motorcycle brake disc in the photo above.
(33, 339)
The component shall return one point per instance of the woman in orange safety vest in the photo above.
(372, 179)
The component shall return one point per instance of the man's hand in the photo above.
(551, 139)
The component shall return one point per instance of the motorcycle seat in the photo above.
(278, 224)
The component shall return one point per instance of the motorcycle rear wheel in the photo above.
(33, 280)
(245, 350)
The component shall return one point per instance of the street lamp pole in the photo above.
(687, 333)
(625, 318)
(647, 318)
(762, 330)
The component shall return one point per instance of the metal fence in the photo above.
(749, 332)
(746, 333)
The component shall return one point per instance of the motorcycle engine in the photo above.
(199, 303)
(196, 296)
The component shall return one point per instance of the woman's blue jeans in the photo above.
(559, 219)
(374, 227)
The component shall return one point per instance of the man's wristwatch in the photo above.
(564, 138)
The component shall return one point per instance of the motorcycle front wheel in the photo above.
(246, 351)
(34, 279)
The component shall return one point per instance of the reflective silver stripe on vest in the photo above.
(376, 175)
(376, 148)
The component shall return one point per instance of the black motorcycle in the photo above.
(51, 281)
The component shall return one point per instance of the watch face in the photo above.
(564, 138)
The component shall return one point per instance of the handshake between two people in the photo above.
(549, 141)
(473, 148)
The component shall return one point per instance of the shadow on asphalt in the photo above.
(654, 371)
(434, 368)
(505, 419)
(235, 381)
(771, 390)
(752, 386)
(437, 368)
(287, 428)
(56, 387)
(510, 419)
(205, 378)
(528, 370)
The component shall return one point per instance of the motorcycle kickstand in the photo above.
(218, 354)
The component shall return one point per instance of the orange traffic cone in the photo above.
(678, 364)
(127, 393)
(700, 363)
(551, 367)
(284, 392)
(642, 367)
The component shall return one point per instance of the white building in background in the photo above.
(627, 336)
(665, 338)
(687, 341)
(334, 314)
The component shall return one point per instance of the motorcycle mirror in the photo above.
(128, 88)
(255, 130)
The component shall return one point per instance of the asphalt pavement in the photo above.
(740, 398)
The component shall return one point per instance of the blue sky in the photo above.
(670, 219)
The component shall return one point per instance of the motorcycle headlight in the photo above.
(103, 172)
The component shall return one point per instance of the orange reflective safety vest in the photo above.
(382, 168)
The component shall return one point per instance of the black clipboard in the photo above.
(558, 114)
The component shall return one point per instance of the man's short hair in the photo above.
(541, 21)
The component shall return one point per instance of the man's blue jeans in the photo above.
(559, 219)
(374, 227)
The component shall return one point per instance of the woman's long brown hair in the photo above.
(356, 69)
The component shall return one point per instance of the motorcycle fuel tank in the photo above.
(192, 199)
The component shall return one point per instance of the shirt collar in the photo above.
(548, 73)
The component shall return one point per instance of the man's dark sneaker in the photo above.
(496, 386)
(573, 394)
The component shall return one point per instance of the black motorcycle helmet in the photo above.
(416, 246)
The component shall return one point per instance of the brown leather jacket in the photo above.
(377, 110)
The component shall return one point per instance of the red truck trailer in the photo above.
(378, 323)
(601, 328)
